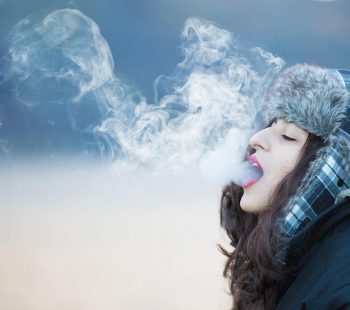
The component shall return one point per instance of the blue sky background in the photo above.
(144, 35)
(144, 38)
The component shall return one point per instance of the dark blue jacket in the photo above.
(322, 280)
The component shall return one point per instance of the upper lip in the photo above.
(253, 159)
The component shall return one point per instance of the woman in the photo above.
(290, 229)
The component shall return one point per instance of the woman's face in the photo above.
(278, 156)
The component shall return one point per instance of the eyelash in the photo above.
(274, 121)
(288, 138)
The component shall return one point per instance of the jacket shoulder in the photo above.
(324, 280)
(339, 298)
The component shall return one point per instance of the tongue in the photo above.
(253, 173)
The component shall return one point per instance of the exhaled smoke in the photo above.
(61, 68)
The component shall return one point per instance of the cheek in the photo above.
(285, 169)
(286, 164)
(270, 183)
(289, 165)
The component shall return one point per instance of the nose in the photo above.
(259, 141)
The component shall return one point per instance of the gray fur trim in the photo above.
(312, 97)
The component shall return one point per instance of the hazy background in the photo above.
(111, 200)
(85, 239)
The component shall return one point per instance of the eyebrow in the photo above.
(271, 122)
(275, 120)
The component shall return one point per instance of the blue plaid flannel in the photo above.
(321, 194)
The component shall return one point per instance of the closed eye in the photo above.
(274, 121)
(288, 138)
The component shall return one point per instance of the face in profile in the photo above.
(277, 150)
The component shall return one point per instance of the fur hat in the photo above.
(316, 99)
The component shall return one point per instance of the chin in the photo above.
(249, 206)
(251, 210)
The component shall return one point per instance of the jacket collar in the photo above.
(332, 219)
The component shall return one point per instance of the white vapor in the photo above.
(202, 116)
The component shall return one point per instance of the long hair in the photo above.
(254, 281)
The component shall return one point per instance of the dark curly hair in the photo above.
(254, 281)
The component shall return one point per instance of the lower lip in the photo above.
(245, 185)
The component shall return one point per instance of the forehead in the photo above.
(282, 122)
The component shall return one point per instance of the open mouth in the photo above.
(253, 175)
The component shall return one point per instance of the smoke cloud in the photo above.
(58, 77)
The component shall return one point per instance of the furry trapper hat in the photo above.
(312, 97)
(317, 100)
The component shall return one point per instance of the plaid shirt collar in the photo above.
(329, 183)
